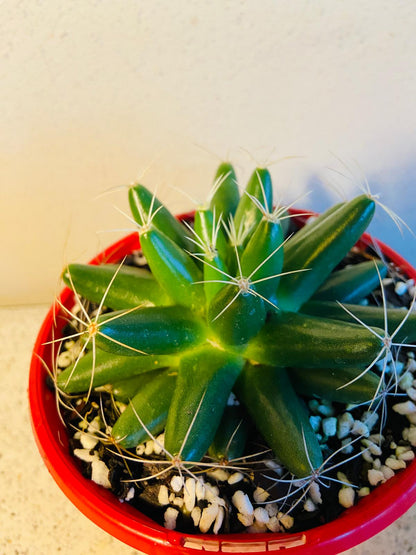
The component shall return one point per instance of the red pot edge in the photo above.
(367, 518)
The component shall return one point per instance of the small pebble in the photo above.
(345, 423)
(375, 476)
(99, 473)
(411, 418)
(158, 444)
(408, 407)
(363, 492)
(372, 447)
(329, 426)
(400, 288)
(211, 494)
(406, 381)
(189, 494)
(309, 506)
(366, 455)
(411, 392)
(346, 497)
(260, 495)
(387, 472)
(219, 474)
(314, 405)
(200, 489)
(65, 359)
(360, 429)
(246, 520)
(130, 494)
(409, 434)
(219, 520)
(406, 456)
(196, 515)
(271, 509)
(315, 493)
(163, 496)
(377, 464)
(176, 483)
(170, 516)
(261, 515)
(235, 478)
(343, 478)
(347, 446)
(274, 525)
(370, 419)
(242, 503)
(85, 455)
(326, 409)
(88, 441)
(395, 464)
(286, 521)
(315, 422)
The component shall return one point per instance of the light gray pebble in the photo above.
(375, 476)
(329, 426)
(235, 478)
(170, 517)
(176, 483)
(242, 503)
(261, 515)
(408, 407)
(163, 495)
(196, 515)
(189, 494)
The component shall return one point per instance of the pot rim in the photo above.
(365, 519)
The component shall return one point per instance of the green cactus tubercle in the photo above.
(232, 305)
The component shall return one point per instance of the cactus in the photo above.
(234, 303)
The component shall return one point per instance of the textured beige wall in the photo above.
(94, 92)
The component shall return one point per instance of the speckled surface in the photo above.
(36, 517)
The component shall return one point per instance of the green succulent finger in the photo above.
(205, 379)
(259, 186)
(130, 286)
(373, 316)
(145, 206)
(100, 368)
(353, 283)
(311, 225)
(262, 258)
(124, 390)
(214, 254)
(281, 417)
(147, 410)
(150, 331)
(207, 227)
(318, 254)
(174, 269)
(331, 383)
(231, 437)
(293, 339)
(235, 316)
(226, 196)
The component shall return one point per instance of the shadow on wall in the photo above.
(396, 190)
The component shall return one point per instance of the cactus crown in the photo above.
(235, 303)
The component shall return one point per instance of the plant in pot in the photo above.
(239, 372)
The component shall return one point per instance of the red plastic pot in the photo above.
(372, 513)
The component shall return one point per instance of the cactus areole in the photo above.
(234, 304)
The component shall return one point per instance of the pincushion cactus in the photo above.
(234, 303)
